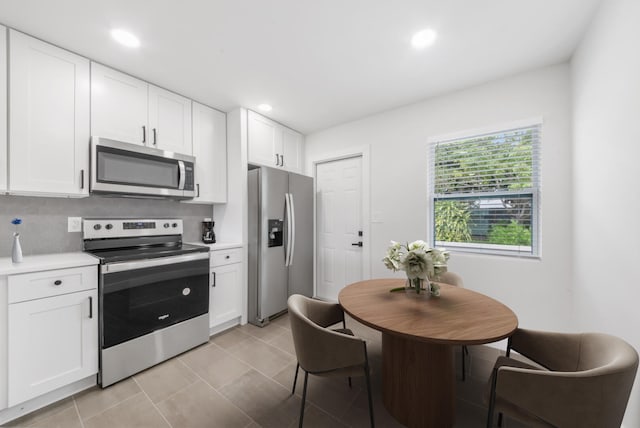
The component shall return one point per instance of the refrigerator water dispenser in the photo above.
(275, 233)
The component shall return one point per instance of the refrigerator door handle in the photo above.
(293, 229)
(287, 249)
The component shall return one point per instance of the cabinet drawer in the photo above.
(30, 286)
(226, 257)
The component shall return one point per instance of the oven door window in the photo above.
(140, 301)
(136, 169)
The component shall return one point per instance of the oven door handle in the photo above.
(160, 261)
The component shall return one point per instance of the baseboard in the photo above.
(224, 326)
(22, 409)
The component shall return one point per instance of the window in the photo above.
(484, 191)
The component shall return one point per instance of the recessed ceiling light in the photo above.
(125, 38)
(265, 107)
(423, 38)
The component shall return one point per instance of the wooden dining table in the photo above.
(418, 336)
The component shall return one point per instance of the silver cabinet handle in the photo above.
(214, 280)
(82, 178)
(277, 160)
(198, 190)
(281, 160)
(57, 282)
(144, 134)
(155, 136)
(90, 307)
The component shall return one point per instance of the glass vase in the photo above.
(419, 286)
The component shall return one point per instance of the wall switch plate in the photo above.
(74, 224)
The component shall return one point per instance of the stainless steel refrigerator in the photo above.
(280, 240)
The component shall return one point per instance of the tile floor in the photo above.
(242, 378)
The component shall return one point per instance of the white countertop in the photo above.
(219, 245)
(46, 262)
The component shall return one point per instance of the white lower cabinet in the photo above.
(52, 340)
(225, 297)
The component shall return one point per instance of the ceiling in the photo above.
(319, 63)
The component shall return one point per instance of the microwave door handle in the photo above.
(182, 175)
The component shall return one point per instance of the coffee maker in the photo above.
(208, 235)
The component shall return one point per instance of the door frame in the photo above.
(351, 152)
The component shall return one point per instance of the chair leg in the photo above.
(367, 377)
(464, 364)
(304, 398)
(492, 399)
(295, 379)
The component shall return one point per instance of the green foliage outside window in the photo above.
(475, 172)
(512, 233)
(452, 221)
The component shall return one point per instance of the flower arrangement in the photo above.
(16, 250)
(420, 262)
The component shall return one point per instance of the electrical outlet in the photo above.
(74, 224)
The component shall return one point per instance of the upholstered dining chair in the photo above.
(453, 278)
(578, 380)
(322, 351)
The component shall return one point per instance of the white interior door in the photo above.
(339, 222)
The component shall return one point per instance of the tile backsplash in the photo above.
(44, 220)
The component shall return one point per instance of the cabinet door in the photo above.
(3, 109)
(169, 121)
(292, 145)
(118, 106)
(265, 140)
(49, 118)
(225, 299)
(52, 343)
(210, 150)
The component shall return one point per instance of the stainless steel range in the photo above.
(153, 293)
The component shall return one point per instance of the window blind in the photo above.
(484, 191)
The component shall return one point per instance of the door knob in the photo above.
(357, 244)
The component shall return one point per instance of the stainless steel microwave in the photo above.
(125, 169)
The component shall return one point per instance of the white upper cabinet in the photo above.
(169, 121)
(265, 140)
(292, 146)
(3, 109)
(49, 97)
(118, 106)
(273, 145)
(210, 150)
(127, 109)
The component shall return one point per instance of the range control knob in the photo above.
(109, 226)
(174, 225)
(97, 227)
(166, 225)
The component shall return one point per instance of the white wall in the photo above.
(538, 290)
(606, 102)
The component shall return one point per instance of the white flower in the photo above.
(392, 259)
(418, 260)
(419, 244)
(415, 263)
